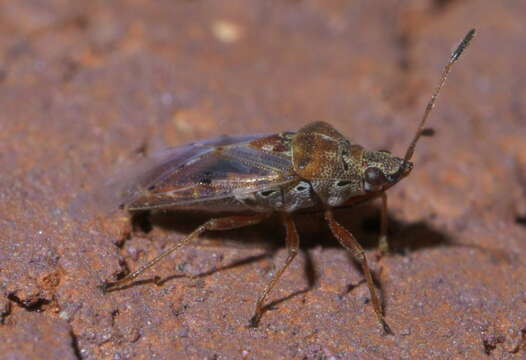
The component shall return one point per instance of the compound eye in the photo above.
(375, 176)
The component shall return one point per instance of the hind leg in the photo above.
(226, 223)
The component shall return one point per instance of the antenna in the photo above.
(454, 57)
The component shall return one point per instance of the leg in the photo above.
(348, 241)
(292, 241)
(227, 223)
(383, 245)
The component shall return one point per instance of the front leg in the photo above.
(383, 245)
(348, 241)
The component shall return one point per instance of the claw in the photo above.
(105, 287)
(254, 322)
(386, 328)
(108, 286)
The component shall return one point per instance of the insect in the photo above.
(260, 175)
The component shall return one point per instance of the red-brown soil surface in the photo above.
(85, 86)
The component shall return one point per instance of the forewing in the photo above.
(224, 172)
(186, 175)
(129, 184)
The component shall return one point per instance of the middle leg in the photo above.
(292, 241)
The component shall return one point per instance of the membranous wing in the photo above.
(206, 175)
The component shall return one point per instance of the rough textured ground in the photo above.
(85, 86)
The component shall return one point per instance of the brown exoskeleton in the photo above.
(259, 175)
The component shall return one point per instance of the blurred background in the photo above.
(85, 86)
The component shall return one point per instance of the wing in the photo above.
(214, 177)
(207, 174)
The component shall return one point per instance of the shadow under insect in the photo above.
(362, 220)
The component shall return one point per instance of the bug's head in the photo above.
(382, 170)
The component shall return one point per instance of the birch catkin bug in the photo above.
(260, 175)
